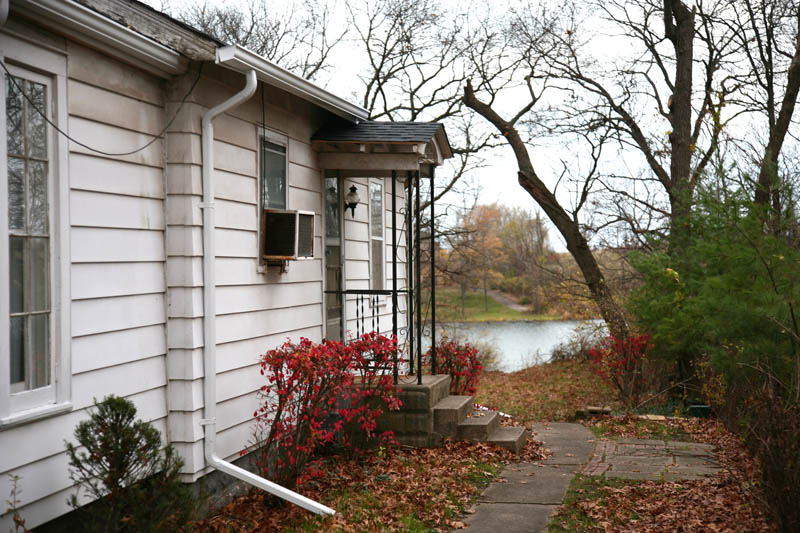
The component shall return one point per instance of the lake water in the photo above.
(517, 345)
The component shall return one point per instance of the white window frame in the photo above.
(26, 59)
(381, 184)
(281, 139)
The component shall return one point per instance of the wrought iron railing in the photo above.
(413, 312)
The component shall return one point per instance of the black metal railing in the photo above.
(369, 300)
(413, 312)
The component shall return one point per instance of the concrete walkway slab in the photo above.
(548, 486)
(525, 495)
(510, 518)
(652, 459)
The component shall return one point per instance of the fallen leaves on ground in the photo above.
(729, 501)
(551, 391)
(633, 427)
(394, 490)
(718, 504)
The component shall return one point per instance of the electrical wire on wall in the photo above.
(95, 150)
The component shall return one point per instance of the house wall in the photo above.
(136, 262)
(357, 256)
(116, 273)
(257, 307)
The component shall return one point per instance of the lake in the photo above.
(517, 345)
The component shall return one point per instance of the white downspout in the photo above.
(209, 315)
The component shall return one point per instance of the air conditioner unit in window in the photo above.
(287, 235)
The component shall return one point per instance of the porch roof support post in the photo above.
(418, 265)
(410, 273)
(394, 270)
(433, 281)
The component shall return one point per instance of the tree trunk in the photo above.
(767, 188)
(679, 29)
(576, 243)
(485, 296)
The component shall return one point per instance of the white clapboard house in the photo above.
(153, 174)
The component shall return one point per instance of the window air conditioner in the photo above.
(287, 235)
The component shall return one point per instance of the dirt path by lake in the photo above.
(501, 298)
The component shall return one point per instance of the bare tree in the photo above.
(566, 223)
(415, 52)
(768, 33)
(671, 84)
(299, 38)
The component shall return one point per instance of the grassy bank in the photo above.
(552, 391)
(476, 309)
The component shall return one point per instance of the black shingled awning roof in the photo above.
(380, 132)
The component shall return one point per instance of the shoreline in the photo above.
(543, 318)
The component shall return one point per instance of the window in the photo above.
(376, 246)
(333, 259)
(273, 174)
(272, 181)
(34, 369)
(29, 233)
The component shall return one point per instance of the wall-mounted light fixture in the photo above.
(351, 201)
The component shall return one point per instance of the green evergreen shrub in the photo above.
(119, 462)
(727, 310)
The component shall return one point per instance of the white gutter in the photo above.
(90, 27)
(243, 60)
(209, 315)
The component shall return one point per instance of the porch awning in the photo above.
(381, 146)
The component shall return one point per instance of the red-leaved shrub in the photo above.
(461, 361)
(620, 362)
(313, 393)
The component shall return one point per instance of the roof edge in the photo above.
(90, 26)
(243, 60)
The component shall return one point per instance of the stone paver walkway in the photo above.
(525, 495)
(652, 459)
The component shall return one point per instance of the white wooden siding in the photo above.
(117, 274)
(103, 245)
(117, 348)
(257, 307)
(91, 173)
(103, 280)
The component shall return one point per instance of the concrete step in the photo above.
(449, 412)
(510, 438)
(423, 397)
(478, 426)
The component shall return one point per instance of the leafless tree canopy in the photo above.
(632, 102)
(300, 37)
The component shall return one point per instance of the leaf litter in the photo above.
(380, 490)
(729, 501)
